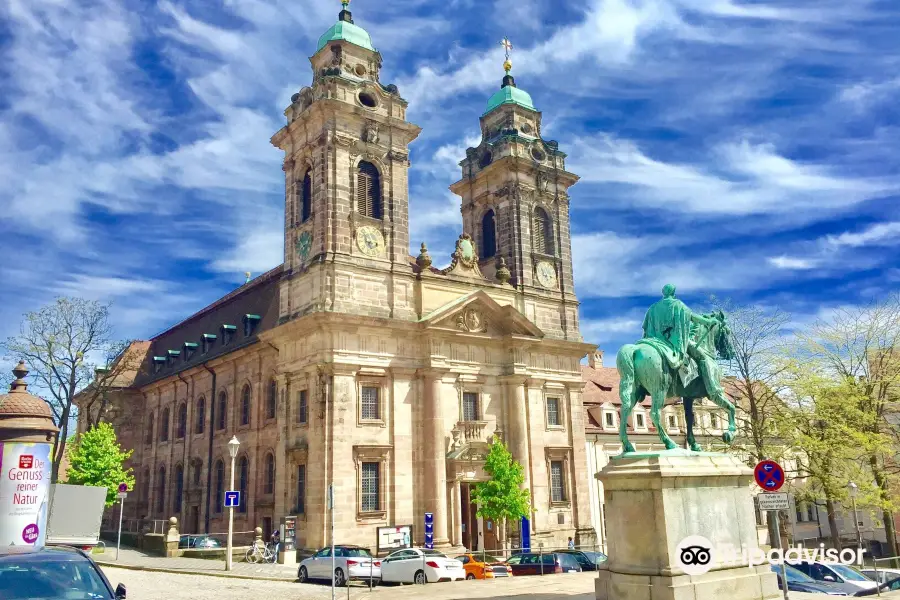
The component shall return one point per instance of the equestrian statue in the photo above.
(675, 359)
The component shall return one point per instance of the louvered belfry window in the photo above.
(306, 197)
(542, 231)
(368, 190)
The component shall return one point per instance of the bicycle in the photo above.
(258, 553)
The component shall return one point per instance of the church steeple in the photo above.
(515, 203)
(346, 162)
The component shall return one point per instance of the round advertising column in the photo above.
(27, 433)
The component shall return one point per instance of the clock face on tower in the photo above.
(546, 274)
(369, 240)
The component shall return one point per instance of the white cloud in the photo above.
(735, 178)
(792, 263)
(880, 234)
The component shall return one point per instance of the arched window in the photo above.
(220, 485)
(149, 439)
(271, 399)
(200, 423)
(179, 489)
(368, 190)
(181, 429)
(488, 235)
(161, 491)
(243, 478)
(542, 231)
(306, 197)
(245, 405)
(269, 481)
(221, 416)
(164, 426)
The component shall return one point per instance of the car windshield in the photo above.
(793, 575)
(848, 573)
(51, 580)
(486, 558)
(354, 553)
(428, 552)
(597, 557)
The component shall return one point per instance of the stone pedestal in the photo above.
(656, 500)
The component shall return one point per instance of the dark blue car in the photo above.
(53, 573)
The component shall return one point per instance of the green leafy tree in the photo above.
(502, 497)
(97, 459)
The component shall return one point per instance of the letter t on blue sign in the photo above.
(232, 499)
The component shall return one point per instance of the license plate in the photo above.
(452, 566)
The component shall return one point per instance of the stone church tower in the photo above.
(514, 191)
(346, 203)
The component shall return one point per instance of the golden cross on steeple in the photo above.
(507, 46)
(345, 3)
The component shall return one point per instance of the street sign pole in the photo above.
(123, 492)
(331, 508)
(784, 585)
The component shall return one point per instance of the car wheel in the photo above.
(302, 575)
(470, 576)
(420, 578)
(339, 579)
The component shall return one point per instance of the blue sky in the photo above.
(746, 149)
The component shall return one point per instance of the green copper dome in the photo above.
(510, 94)
(348, 32)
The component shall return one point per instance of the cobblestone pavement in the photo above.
(148, 585)
(135, 558)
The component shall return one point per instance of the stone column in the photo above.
(517, 435)
(435, 462)
(457, 514)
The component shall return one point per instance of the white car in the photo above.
(350, 562)
(884, 575)
(833, 572)
(420, 565)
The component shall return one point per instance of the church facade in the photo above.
(356, 365)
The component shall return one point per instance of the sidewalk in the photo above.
(130, 558)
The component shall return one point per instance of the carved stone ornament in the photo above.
(336, 55)
(370, 132)
(503, 192)
(465, 258)
(398, 156)
(343, 140)
(474, 320)
(543, 182)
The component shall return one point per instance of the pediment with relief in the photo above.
(479, 313)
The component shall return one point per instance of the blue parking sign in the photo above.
(232, 499)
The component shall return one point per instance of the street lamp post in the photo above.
(233, 446)
(854, 490)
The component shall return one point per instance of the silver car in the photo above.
(350, 563)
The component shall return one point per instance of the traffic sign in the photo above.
(122, 495)
(769, 475)
(773, 501)
(429, 530)
(123, 487)
(232, 499)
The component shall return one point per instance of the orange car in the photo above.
(483, 566)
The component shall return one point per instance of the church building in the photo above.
(356, 365)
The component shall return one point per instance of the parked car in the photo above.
(484, 566)
(588, 560)
(350, 563)
(53, 572)
(830, 572)
(884, 575)
(891, 585)
(420, 565)
(198, 542)
(532, 563)
(798, 581)
(514, 559)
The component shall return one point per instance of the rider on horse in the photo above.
(668, 329)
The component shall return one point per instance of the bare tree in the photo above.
(57, 342)
(860, 344)
(122, 361)
(754, 382)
